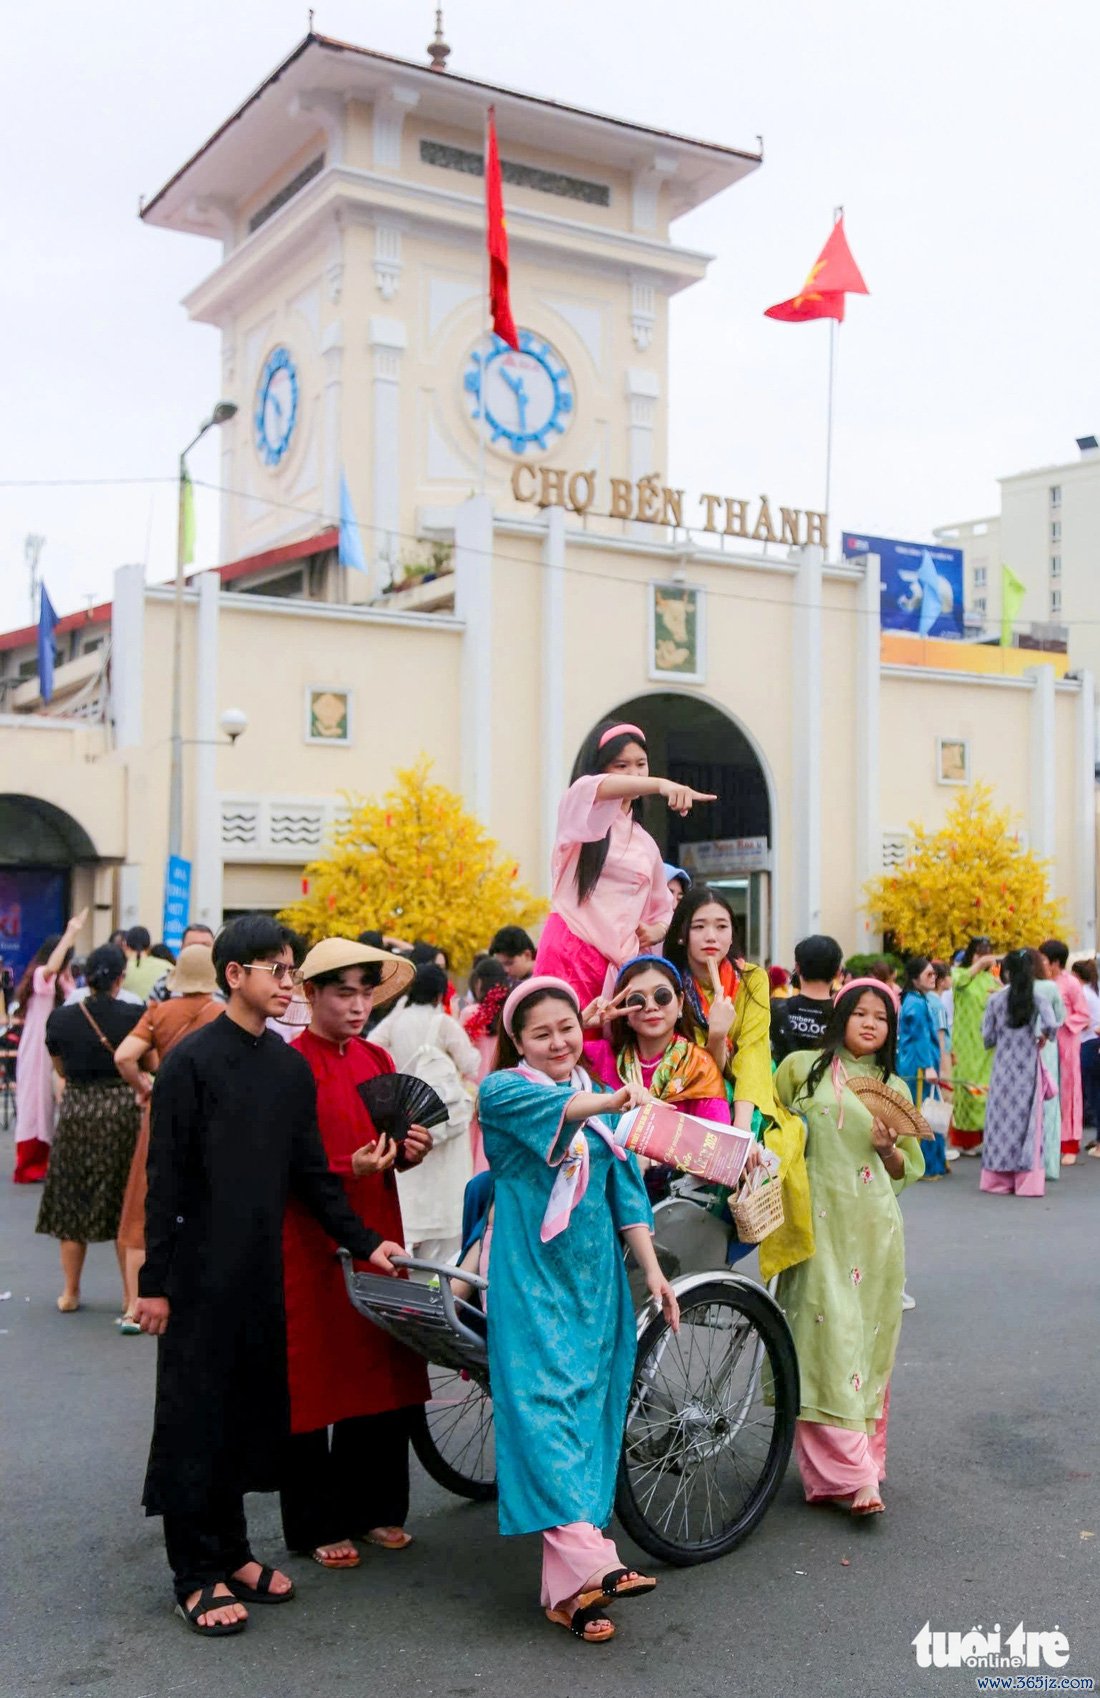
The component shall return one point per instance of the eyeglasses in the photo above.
(662, 996)
(278, 970)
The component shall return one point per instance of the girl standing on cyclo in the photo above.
(562, 1332)
(610, 891)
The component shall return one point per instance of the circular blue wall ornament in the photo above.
(276, 406)
(525, 398)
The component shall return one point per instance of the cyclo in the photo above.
(710, 1423)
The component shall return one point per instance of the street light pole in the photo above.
(222, 412)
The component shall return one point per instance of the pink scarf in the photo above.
(571, 1180)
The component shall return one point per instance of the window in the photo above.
(527, 176)
(979, 604)
(979, 577)
(1055, 601)
(1056, 565)
(1056, 530)
(1055, 495)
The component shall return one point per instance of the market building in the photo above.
(530, 566)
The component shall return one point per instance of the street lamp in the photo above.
(222, 413)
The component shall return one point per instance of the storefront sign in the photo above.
(724, 855)
(651, 503)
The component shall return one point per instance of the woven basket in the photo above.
(889, 1106)
(757, 1208)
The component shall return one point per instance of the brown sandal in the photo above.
(350, 1559)
(388, 1539)
(590, 1612)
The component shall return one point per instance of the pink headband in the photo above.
(531, 987)
(890, 991)
(620, 731)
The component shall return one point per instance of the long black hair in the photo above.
(976, 946)
(833, 1038)
(596, 758)
(1018, 973)
(914, 967)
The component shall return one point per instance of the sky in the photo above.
(958, 137)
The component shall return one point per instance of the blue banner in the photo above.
(922, 584)
(32, 908)
(177, 901)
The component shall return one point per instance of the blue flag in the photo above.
(47, 619)
(931, 602)
(351, 543)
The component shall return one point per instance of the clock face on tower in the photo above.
(525, 398)
(276, 407)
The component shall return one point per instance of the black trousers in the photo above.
(340, 1488)
(208, 1547)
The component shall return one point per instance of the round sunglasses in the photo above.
(661, 998)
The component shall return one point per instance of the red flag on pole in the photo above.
(500, 307)
(833, 275)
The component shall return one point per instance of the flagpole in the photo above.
(834, 326)
(486, 327)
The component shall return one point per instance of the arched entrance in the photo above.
(731, 842)
(40, 846)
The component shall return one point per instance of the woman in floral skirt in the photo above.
(844, 1304)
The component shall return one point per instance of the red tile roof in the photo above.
(320, 543)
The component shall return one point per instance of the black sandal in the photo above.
(614, 1587)
(204, 1603)
(261, 1593)
(589, 1609)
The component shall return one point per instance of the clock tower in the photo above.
(347, 194)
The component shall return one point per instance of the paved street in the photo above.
(992, 1511)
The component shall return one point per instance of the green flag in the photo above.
(187, 519)
(1012, 594)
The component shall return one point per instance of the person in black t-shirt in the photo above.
(799, 1021)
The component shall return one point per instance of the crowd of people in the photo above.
(209, 1115)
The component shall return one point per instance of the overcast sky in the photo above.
(959, 136)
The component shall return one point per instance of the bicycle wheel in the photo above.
(710, 1423)
(453, 1435)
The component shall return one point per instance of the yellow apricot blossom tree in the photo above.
(417, 865)
(972, 877)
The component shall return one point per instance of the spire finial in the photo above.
(438, 51)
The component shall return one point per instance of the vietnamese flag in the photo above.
(500, 307)
(833, 275)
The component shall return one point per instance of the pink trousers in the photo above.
(836, 1463)
(566, 956)
(570, 1555)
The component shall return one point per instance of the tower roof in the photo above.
(263, 133)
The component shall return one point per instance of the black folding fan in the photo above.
(396, 1101)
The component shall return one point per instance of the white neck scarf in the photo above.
(571, 1180)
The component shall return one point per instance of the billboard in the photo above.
(32, 908)
(922, 584)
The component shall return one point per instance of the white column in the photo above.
(388, 339)
(127, 655)
(332, 353)
(806, 722)
(643, 390)
(1042, 764)
(1086, 811)
(554, 776)
(868, 711)
(206, 876)
(474, 606)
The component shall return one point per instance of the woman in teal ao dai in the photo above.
(843, 1305)
(561, 1322)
